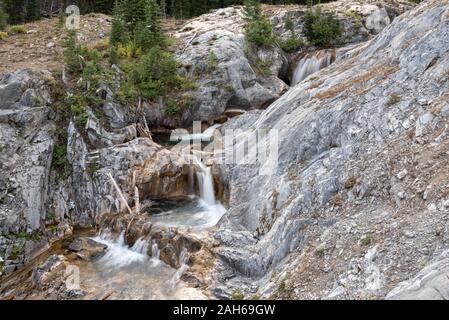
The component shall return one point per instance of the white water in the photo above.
(155, 252)
(129, 273)
(183, 261)
(312, 63)
(206, 184)
(196, 214)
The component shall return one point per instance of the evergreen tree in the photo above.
(14, 9)
(104, 6)
(138, 21)
(3, 19)
(258, 28)
(33, 10)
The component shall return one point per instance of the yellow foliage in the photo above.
(3, 35)
(129, 50)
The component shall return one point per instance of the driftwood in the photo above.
(137, 209)
(141, 121)
(120, 194)
(189, 42)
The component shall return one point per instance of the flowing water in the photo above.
(129, 273)
(312, 63)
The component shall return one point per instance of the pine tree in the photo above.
(104, 6)
(258, 28)
(3, 19)
(252, 10)
(14, 9)
(137, 21)
(33, 10)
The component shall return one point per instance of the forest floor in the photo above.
(39, 48)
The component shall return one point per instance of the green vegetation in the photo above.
(354, 15)
(17, 29)
(394, 99)
(3, 19)
(59, 155)
(138, 46)
(237, 295)
(32, 10)
(294, 42)
(212, 64)
(321, 29)
(366, 240)
(28, 10)
(51, 216)
(17, 250)
(258, 28)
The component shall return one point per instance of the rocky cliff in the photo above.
(358, 200)
(357, 206)
(233, 74)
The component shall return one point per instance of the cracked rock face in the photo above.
(344, 137)
(26, 149)
(230, 73)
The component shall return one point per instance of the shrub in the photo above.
(3, 35)
(129, 50)
(156, 73)
(113, 55)
(3, 19)
(72, 53)
(321, 29)
(212, 64)
(291, 44)
(258, 28)
(17, 29)
(260, 32)
(118, 27)
(59, 155)
(237, 295)
(171, 108)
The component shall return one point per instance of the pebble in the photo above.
(401, 175)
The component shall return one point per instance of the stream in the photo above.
(130, 273)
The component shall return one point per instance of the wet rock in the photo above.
(171, 246)
(87, 249)
(43, 273)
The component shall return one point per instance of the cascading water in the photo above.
(183, 261)
(155, 252)
(206, 184)
(197, 213)
(312, 63)
(130, 273)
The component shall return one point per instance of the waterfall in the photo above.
(183, 262)
(155, 252)
(191, 182)
(205, 183)
(312, 63)
(118, 254)
(140, 246)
